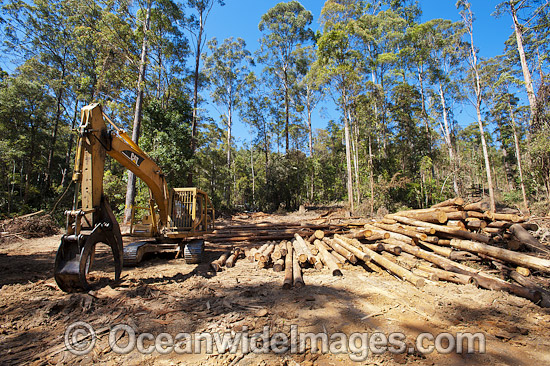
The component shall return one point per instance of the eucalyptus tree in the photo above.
(443, 65)
(227, 69)
(525, 14)
(468, 19)
(340, 68)
(196, 27)
(284, 27)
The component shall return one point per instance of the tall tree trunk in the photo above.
(448, 141)
(310, 141)
(524, 67)
(195, 121)
(53, 138)
(348, 154)
(518, 157)
(287, 109)
(468, 19)
(70, 147)
(131, 186)
(371, 169)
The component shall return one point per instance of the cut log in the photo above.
(520, 259)
(444, 229)
(259, 252)
(297, 272)
(283, 248)
(279, 265)
(456, 224)
(450, 202)
(426, 215)
(339, 258)
(526, 238)
(432, 239)
(476, 224)
(388, 221)
(358, 234)
(377, 247)
(377, 235)
(398, 230)
(484, 280)
(457, 215)
(328, 259)
(265, 256)
(230, 263)
(341, 250)
(317, 263)
(289, 264)
(305, 247)
(458, 278)
(220, 262)
(504, 217)
(480, 206)
(477, 215)
(300, 253)
(395, 269)
(395, 235)
(359, 253)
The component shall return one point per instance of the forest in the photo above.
(398, 84)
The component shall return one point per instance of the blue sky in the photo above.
(240, 18)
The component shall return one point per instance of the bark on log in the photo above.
(279, 265)
(260, 251)
(361, 254)
(457, 215)
(253, 238)
(476, 224)
(477, 215)
(395, 269)
(283, 248)
(328, 259)
(444, 229)
(398, 230)
(395, 235)
(289, 264)
(526, 238)
(219, 263)
(480, 206)
(426, 215)
(458, 278)
(520, 259)
(297, 272)
(341, 250)
(299, 252)
(339, 258)
(450, 202)
(301, 242)
(432, 239)
(484, 280)
(378, 235)
(230, 263)
(457, 224)
(358, 234)
(494, 216)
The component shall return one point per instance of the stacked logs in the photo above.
(435, 244)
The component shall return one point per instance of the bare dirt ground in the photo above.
(166, 295)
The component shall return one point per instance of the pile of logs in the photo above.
(435, 244)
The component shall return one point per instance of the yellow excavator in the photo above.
(176, 218)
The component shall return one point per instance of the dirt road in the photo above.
(165, 295)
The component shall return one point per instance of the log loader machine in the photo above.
(175, 218)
